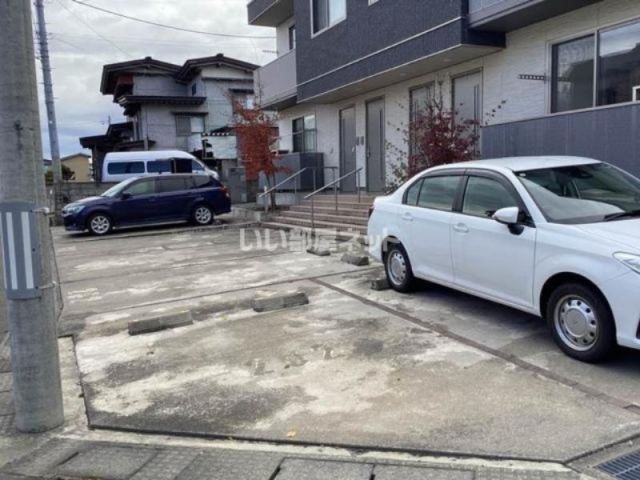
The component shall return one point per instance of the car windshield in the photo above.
(578, 194)
(117, 189)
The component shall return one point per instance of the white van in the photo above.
(119, 166)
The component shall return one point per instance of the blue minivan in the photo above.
(150, 200)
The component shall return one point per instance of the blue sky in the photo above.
(82, 40)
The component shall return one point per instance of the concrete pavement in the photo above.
(382, 383)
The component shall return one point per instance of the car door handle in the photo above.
(407, 217)
(461, 228)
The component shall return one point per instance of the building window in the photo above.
(619, 64)
(187, 125)
(304, 134)
(194, 89)
(573, 74)
(292, 37)
(327, 13)
(604, 67)
(419, 100)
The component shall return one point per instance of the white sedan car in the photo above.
(558, 237)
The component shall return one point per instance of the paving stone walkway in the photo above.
(77, 459)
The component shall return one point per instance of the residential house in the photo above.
(80, 165)
(351, 73)
(170, 106)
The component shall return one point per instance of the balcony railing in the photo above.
(276, 83)
(507, 15)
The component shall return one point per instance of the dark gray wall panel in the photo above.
(371, 28)
(609, 134)
(430, 43)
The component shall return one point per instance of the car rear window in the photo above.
(121, 168)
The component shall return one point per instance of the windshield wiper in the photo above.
(617, 216)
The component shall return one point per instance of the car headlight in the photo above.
(73, 209)
(630, 260)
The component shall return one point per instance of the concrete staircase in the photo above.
(350, 218)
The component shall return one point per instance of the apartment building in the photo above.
(185, 107)
(350, 73)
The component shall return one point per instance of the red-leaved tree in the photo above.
(436, 135)
(257, 132)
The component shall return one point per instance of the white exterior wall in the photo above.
(528, 52)
(282, 36)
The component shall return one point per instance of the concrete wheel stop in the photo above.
(164, 322)
(357, 260)
(278, 302)
(320, 252)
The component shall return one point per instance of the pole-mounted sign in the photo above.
(20, 249)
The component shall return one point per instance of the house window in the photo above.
(327, 13)
(187, 125)
(619, 64)
(604, 67)
(419, 99)
(304, 134)
(292, 37)
(194, 89)
(573, 74)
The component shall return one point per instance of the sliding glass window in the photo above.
(603, 68)
(573, 74)
(327, 13)
(619, 64)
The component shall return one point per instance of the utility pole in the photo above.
(52, 124)
(26, 238)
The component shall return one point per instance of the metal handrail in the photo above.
(275, 187)
(333, 184)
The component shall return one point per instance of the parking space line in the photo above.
(508, 357)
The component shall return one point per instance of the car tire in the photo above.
(581, 322)
(398, 269)
(99, 224)
(202, 215)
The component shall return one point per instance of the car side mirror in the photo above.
(510, 216)
(125, 196)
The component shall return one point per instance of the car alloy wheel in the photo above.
(202, 215)
(100, 224)
(576, 323)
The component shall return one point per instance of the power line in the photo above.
(172, 27)
(86, 24)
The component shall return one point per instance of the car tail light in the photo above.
(226, 191)
(370, 211)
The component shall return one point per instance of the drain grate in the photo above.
(626, 467)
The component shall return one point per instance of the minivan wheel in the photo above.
(398, 269)
(99, 224)
(202, 215)
(581, 322)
